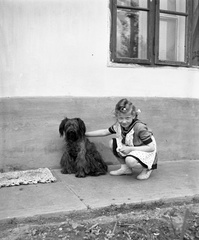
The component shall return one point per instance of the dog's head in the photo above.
(73, 129)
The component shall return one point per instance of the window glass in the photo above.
(172, 37)
(173, 5)
(133, 3)
(132, 34)
(195, 33)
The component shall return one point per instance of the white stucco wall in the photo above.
(61, 48)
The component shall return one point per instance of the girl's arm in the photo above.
(98, 133)
(145, 148)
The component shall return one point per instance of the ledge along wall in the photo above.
(30, 137)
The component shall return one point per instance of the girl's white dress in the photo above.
(146, 158)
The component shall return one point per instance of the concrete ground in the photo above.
(172, 181)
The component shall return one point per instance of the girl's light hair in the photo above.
(124, 106)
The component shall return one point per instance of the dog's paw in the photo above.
(80, 174)
(64, 171)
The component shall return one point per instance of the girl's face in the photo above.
(125, 119)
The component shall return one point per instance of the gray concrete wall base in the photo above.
(30, 137)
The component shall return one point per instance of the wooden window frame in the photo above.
(152, 35)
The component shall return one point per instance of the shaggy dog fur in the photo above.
(81, 156)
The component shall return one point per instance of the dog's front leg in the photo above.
(81, 163)
(67, 164)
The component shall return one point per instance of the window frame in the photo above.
(187, 39)
(152, 35)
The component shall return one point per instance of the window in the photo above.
(155, 32)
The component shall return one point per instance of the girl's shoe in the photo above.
(124, 170)
(145, 174)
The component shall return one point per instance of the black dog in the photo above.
(81, 156)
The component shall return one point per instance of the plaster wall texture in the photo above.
(61, 48)
(54, 62)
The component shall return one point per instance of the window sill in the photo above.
(134, 65)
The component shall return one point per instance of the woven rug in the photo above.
(41, 175)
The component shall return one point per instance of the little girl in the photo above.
(134, 144)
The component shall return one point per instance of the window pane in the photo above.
(172, 38)
(133, 3)
(195, 32)
(132, 34)
(173, 5)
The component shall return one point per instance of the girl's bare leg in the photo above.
(124, 168)
(133, 163)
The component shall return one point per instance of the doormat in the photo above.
(16, 178)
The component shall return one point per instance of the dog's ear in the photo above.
(81, 125)
(61, 126)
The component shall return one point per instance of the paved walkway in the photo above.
(172, 180)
